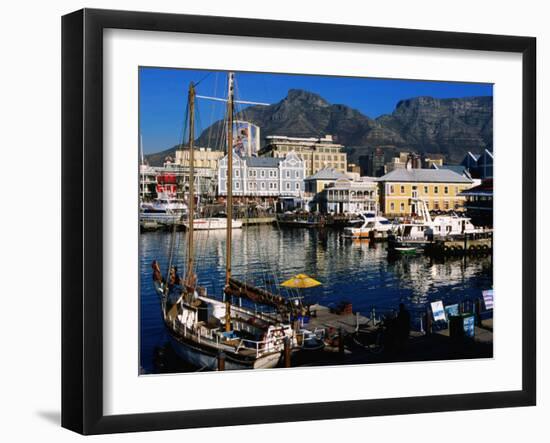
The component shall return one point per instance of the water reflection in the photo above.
(354, 271)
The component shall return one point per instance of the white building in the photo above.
(349, 196)
(264, 176)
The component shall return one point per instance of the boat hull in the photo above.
(203, 356)
(213, 224)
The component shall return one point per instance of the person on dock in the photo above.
(403, 326)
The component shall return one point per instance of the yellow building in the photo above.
(203, 158)
(401, 189)
(317, 153)
(321, 179)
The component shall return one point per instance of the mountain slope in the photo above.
(424, 124)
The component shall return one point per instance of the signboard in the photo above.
(488, 298)
(451, 310)
(469, 326)
(438, 311)
(246, 138)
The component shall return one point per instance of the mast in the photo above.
(190, 280)
(141, 168)
(229, 208)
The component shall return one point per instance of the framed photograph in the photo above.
(270, 221)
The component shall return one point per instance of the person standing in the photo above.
(403, 323)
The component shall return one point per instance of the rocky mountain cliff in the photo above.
(424, 124)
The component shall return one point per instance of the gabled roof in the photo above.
(327, 174)
(262, 162)
(475, 157)
(424, 176)
(459, 169)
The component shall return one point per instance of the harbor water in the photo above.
(350, 271)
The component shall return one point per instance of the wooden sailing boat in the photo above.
(202, 327)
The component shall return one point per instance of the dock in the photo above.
(467, 244)
(258, 221)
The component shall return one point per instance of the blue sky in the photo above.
(163, 96)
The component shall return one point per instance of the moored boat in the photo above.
(373, 226)
(202, 329)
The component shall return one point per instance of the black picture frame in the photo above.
(82, 218)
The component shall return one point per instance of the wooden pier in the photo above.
(468, 244)
(258, 221)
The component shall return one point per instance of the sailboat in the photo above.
(201, 327)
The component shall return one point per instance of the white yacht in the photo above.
(372, 224)
(426, 229)
(212, 223)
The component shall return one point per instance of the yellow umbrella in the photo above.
(301, 281)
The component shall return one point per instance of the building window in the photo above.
(446, 205)
(392, 206)
(288, 186)
(391, 189)
(237, 185)
(297, 186)
(249, 173)
(436, 189)
(425, 189)
(236, 172)
(297, 174)
(271, 173)
(402, 207)
(402, 189)
(262, 174)
(446, 189)
(436, 205)
(287, 174)
(263, 185)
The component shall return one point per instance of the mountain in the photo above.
(447, 126)
(424, 124)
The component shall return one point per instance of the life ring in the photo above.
(485, 248)
(446, 249)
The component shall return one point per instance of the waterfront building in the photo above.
(484, 168)
(479, 166)
(479, 203)
(206, 169)
(317, 153)
(459, 169)
(470, 161)
(349, 196)
(203, 158)
(147, 182)
(429, 160)
(439, 188)
(264, 176)
(317, 182)
(354, 169)
(372, 164)
(404, 160)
